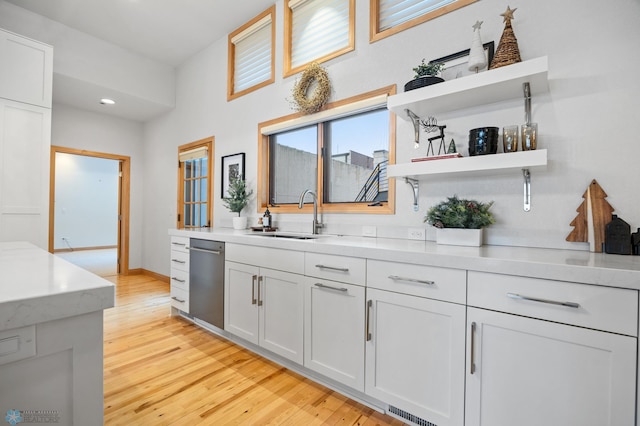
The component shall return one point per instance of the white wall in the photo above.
(86, 203)
(73, 128)
(587, 121)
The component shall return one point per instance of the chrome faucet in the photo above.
(316, 225)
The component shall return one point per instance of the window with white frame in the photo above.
(392, 16)
(251, 53)
(317, 30)
(341, 154)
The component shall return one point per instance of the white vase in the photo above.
(240, 222)
(459, 236)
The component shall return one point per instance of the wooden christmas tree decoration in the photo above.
(508, 52)
(593, 214)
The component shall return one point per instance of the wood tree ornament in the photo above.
(593, 214)
(508, 51)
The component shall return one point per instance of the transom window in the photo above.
(389, 17)
(341, 154)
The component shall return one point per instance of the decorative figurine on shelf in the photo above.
(441, 148)
(593, 215)
(635, 242)
(477, 57)
(426, 74)
(617, 236)
(452, 147)
(508, 52)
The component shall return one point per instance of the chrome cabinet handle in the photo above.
(472, 362)
(178, 261)
(259, 286)
(411, 280)
(333, 268)
(253, 289)
(206, 251)
(320, 285)
(178, 300)
(178, 279)
(536, 299)
(367, 331)
(179, 244)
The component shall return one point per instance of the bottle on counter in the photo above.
(266, 219)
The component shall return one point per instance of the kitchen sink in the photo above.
(290, 236)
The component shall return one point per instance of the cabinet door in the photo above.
(26, 73)
(530, 372)
(334, 331)
(281, 301)
(241, 300)
(415, 356)
(25, 141)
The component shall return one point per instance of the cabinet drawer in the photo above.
(601, 308)
(418, 280)
(265, 257)
(180, 298)
(180, 244)
(337, 268)
(180, 260)
(179, 279)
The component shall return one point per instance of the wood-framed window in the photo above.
(195, 175)
(388, 17)
(341, 153)
(317, 31)
(251, 51)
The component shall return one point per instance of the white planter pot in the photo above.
(240, 222)
(459, 237)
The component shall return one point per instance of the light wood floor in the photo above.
(160, 370)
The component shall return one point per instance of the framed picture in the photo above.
(232, 168)
(456, 64)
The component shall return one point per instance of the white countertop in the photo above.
(562, 265)
(37, 287)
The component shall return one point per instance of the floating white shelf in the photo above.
(484, 88)
(482, 163)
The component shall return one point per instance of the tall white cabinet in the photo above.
(25, 138)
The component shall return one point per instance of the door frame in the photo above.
(124, 191)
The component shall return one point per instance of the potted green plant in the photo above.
(425, 75)
(460, 221)
(237, 200)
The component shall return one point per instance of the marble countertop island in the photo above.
(37, 287)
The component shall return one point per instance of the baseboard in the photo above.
(154, 275)
(68, 250)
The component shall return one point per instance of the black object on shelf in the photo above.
(635, 242)
(483, 140)
(423, 81)
(617, 236)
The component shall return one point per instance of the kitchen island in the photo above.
(51, 337)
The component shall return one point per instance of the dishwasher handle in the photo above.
(206, 251)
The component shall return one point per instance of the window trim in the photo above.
(288, 47)
(387, 207)
(374, 19)
(207, 143)
(231, 50)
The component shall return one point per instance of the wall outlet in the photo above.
(369, 231)
(417, 234)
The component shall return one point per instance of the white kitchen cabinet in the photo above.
(265, 307)
(549, 352)
(530, 372)
(415, 356)
(26, 73)
(179, 274)
(334, 330)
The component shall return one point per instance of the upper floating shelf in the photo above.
(484, 88)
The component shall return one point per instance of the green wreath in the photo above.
(310, 104)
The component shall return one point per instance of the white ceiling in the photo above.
(169, 31)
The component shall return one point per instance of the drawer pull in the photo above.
(178, 279)
(367, 331)
(472, 361)
(259, 285)
(253, 289)
(333, 268)
(536, 299)
(331, 287)
(411, 280)
(178, 300)
(178, 261)
(179, 244)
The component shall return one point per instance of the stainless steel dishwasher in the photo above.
(206, 281)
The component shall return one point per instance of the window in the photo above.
(341, 153)
(194, 184)
(251, 53)
(317, 30)
(389, 17)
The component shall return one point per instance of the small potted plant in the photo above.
(459, 221)
(426, 74)
(237, 200)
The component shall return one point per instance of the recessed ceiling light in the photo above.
(107, 101)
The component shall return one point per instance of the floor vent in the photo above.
(410, 417)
